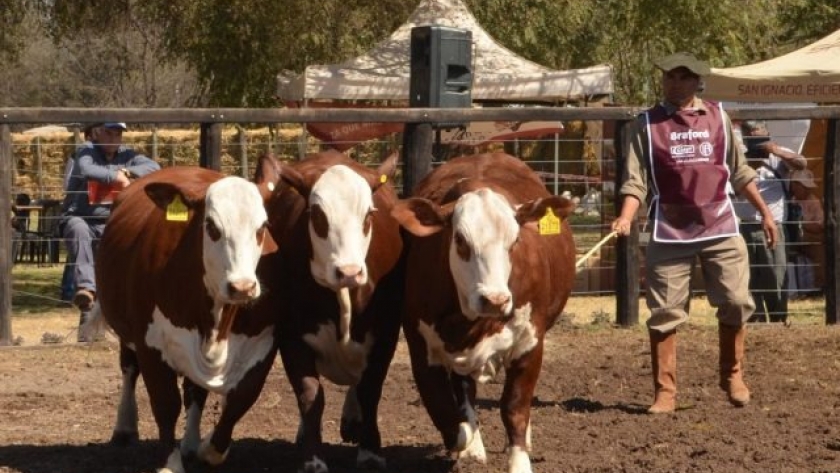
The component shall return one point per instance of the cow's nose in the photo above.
(494, 303)
(349, 275)
(242, 289)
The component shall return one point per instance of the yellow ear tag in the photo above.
(383, 179)
(176, 211)
(549, 223)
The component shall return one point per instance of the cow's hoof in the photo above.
(350, 430)
(315, 465)
(519, 461)
(208, 453)
(174, 464)
(123, 439)
(368, 460)
(474, 450)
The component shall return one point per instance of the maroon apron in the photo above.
(687, 152)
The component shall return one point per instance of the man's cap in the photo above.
(686, 60)
(804, 177)
(115, 126)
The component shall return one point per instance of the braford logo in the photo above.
(682, 150)
(689, 135)
(706, 148)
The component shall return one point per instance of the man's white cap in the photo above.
(686, 60)
(804, 177)
(115, 126)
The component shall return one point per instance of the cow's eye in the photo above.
(461, 247)
(319, 221)
(368, 222)
(212, 230)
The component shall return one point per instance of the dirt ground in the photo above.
(58, 402)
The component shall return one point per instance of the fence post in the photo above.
(831, 199)
(417, 150)
(627, 248)
(39, 166)
(242, 141)
(210, 153)
(6, 178)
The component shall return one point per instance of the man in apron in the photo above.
(682, 154)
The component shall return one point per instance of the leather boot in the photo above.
(731, 364)
(663, 355)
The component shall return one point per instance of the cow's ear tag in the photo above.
(176, 211)
(383, 179)
(549, 223)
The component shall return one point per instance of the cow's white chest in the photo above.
(341, 363)
(484, 360)
(218, 367)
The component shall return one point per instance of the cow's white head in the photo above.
(485, 228)
(341, 207)
(235, 231)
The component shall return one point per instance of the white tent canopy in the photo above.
(498, 74)
(810, 74)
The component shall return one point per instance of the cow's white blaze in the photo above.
(340, 362)
(234, 208)
(487, 224)
(346, 200)
(185, 350)
(483, 360)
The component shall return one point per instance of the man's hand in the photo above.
(122, 181)
(622, 226)
(771, 232)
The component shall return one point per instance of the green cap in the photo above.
(686, 60)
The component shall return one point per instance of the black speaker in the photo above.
(441, 67)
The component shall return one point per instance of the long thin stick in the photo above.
(594, 249)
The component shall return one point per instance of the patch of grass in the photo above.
(36, 289)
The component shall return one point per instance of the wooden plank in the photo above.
(6, 178)
(627, 248)
(831, 204)
(345, 115)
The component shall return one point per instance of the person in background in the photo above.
(680, 152)
(803, 189)
(68, 283)
(768, 266)
(99, 172)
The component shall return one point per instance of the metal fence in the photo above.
(35, 187)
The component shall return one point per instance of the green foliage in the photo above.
(228, 52)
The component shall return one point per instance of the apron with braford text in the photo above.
(687, 151)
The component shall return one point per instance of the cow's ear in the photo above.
(267, 174)
(386, 171)
(269, 245)
(537, 209)
(163, 194)
(419, 216)
(296, 181)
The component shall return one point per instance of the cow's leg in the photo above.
(351, 417)
(214, 448)
(125, 430)
(520, 382)
(299, 363)
(195, 398)
(433, 384)
(464, 389)
(369, 390)
(165, 398)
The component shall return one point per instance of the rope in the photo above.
(593, 250)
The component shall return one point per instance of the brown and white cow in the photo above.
(488, 272)
(177, 260)
(340, 285)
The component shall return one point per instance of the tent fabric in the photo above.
(499, 74)
(810, 74)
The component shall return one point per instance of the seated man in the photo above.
(102, 168)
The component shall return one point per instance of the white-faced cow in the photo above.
(489, 270)
(176, 262)
(340, 285)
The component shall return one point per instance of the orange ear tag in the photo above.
(176, 211)
(549, 224)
